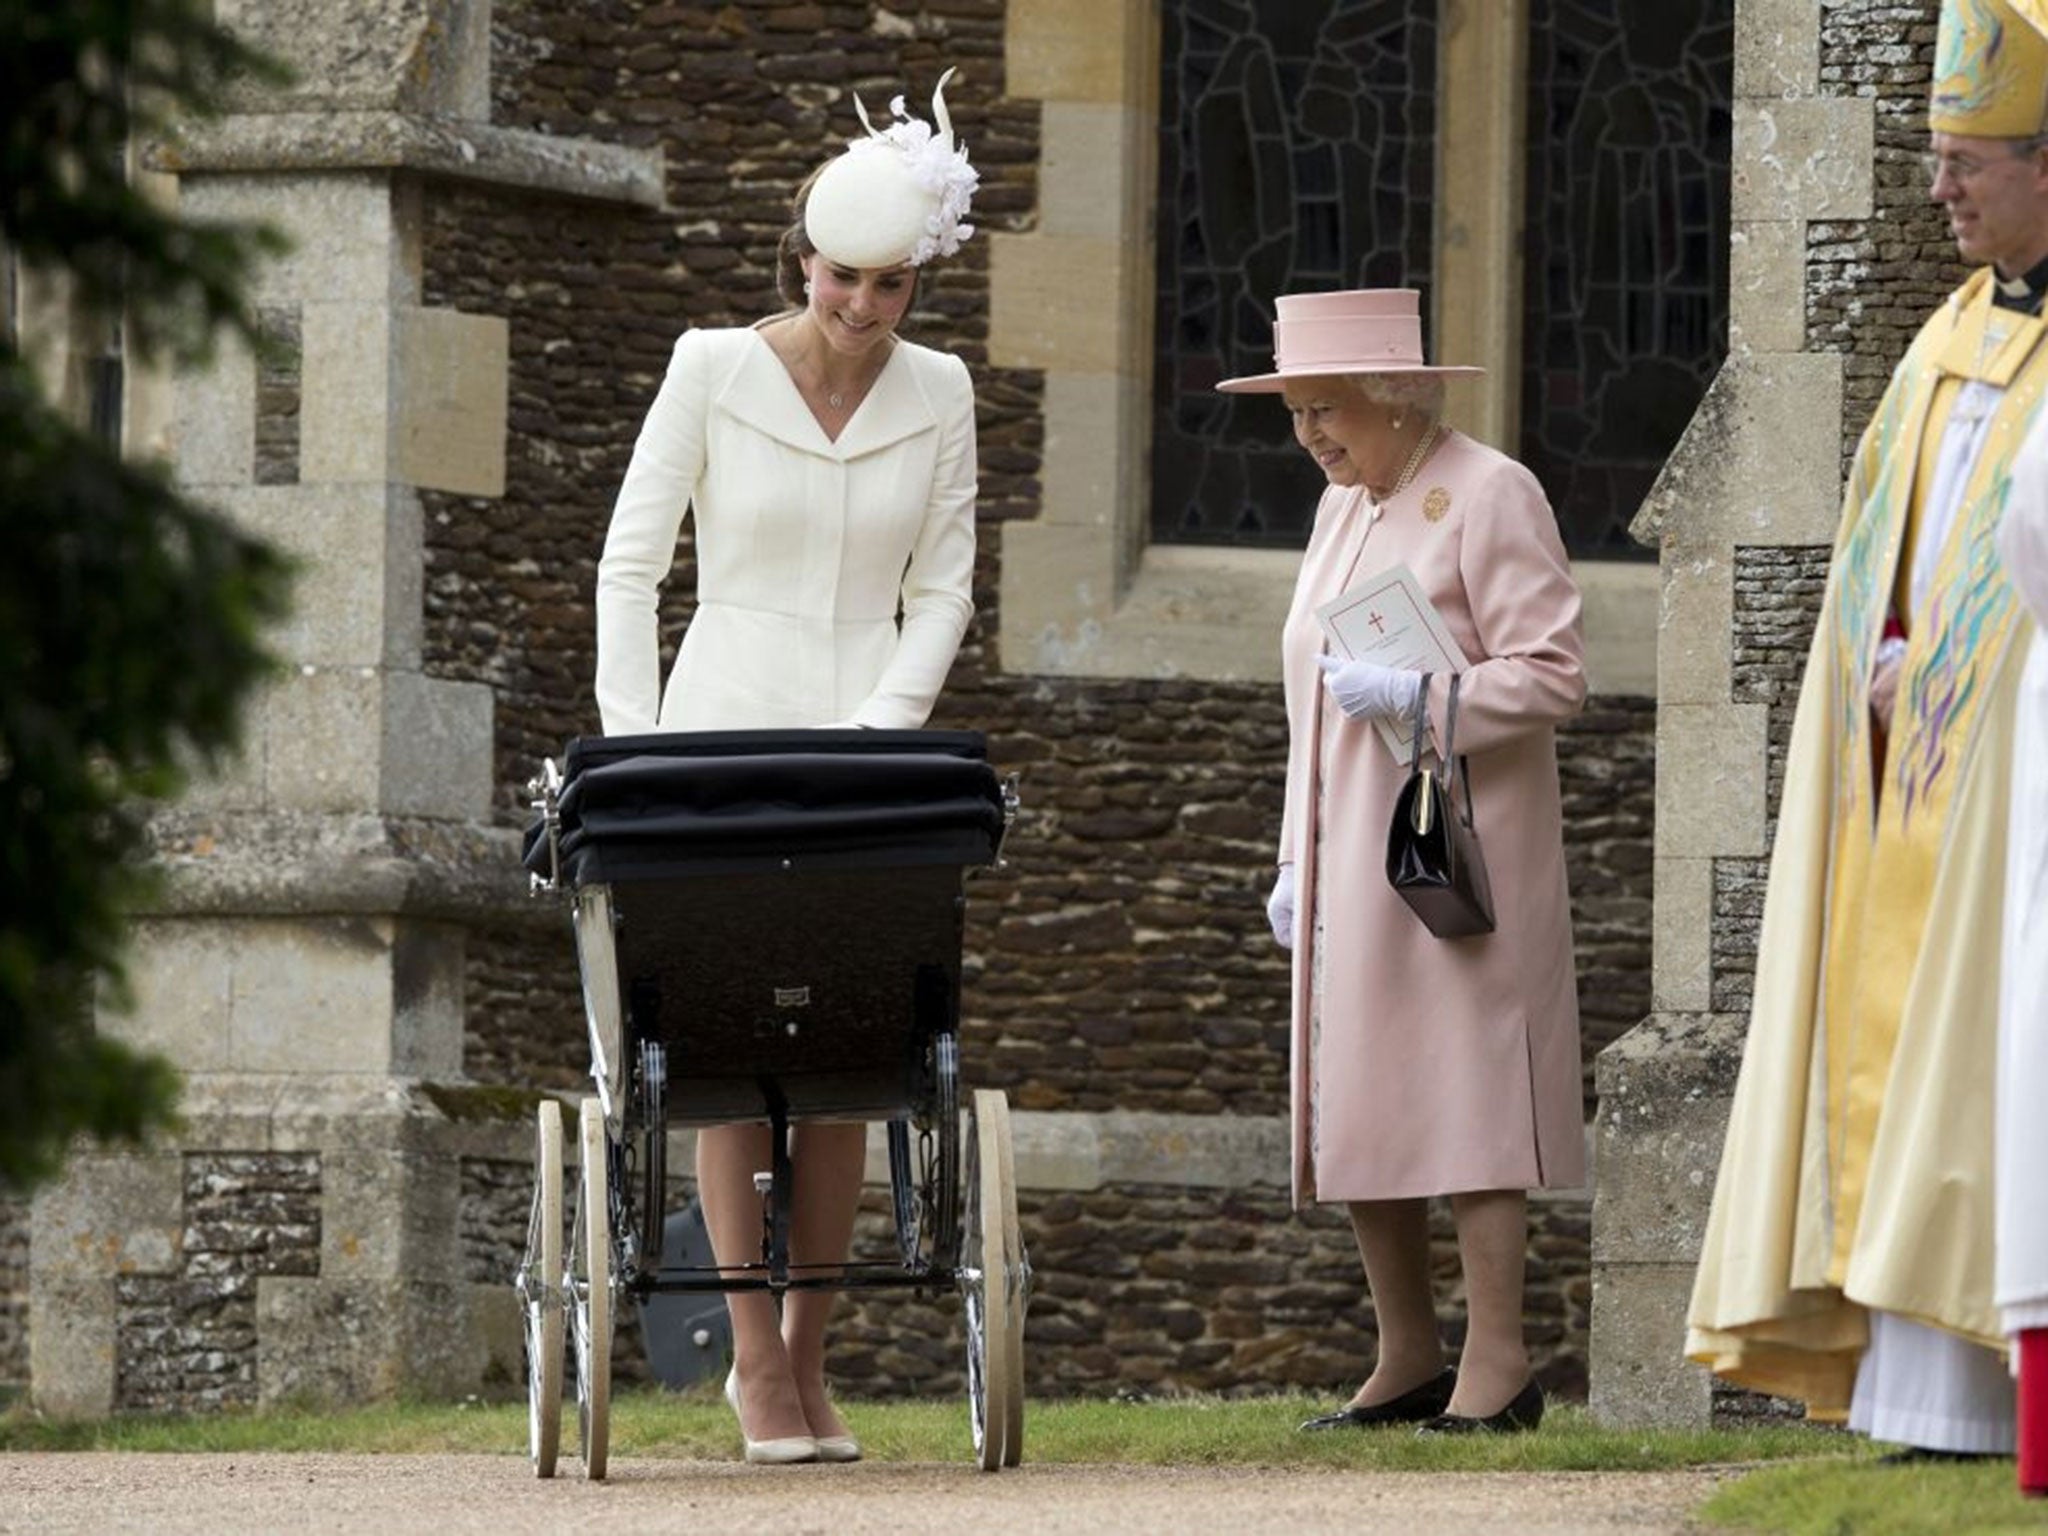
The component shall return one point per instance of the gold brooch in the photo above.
(1436, 503)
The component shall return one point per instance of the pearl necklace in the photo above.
(1408, 471)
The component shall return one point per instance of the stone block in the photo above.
(1809, 158)
(427, 1000)
(436, 748)
(347, 399)
(1710, 780)
(214, 420)
(1055, 303)
(354, 238)
(361, 1113)
(1777, 48)
(1086, 455)
(1620, 617)
(414, 55)
(387, 1215)
(497, 1338)
(1682, 914)
(342, 994)
(1058, 588)
(1080, 50)
(1056, 1152)
(1190, 611)
(358, 599)
(182, 976)
(448, 417)
(1066, 1151)
(71, 1345)
(361, 1340)
(55, 338)
(1203, 1151)
(312, 996)
(1767, 286)
(321, 734)
(1640, 1375)
(1759, 463)
(360, 739)
(109, 1216)
(414, 148)
(1085, 164)
(1696, 611)
(1664, 1090)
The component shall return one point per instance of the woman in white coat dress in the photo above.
(830, 468)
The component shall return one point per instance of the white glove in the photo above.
(1280, 908)
(1364, 689)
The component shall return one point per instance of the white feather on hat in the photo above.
(897, 196)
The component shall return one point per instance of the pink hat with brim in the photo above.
(1360, 330)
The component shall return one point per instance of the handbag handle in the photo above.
(1419, 727)
(1421, 724)
(1455, 770)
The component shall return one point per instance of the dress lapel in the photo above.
(761, 394)
(895, 408)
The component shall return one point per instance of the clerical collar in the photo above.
(2023, 292)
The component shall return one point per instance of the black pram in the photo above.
(768, 926)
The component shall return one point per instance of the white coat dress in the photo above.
(806, 546)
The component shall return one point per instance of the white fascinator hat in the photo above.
(897, 196)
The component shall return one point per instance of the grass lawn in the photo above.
(1190, 1431)
(1808, 1482)
(1838, 1498)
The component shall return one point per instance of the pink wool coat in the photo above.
(1437, 1065)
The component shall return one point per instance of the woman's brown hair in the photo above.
(795, 247)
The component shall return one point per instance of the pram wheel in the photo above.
(992, 1286)
(1017, 1285)
(590, 1292)
(539, 1284)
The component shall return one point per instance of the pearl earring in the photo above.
(1396, 422)
(807, 289)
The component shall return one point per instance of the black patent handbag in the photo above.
(1433, 858)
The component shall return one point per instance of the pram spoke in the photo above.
(539, 1284)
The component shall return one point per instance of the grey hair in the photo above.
(1422, 393)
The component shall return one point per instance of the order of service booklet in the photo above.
(1388, 619)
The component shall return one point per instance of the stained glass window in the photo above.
(1626, 273)
(1295, 154)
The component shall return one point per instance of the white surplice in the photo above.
(1917, 1385)
(2022, 1112)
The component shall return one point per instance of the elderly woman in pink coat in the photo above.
(1425, 1066)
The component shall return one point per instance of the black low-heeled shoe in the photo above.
(1910, 1455)
(1523, 1412)
(1411, 1407)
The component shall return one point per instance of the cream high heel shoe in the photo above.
(838, 1448)
(771, 1453)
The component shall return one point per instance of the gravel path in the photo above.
(220, 1495)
